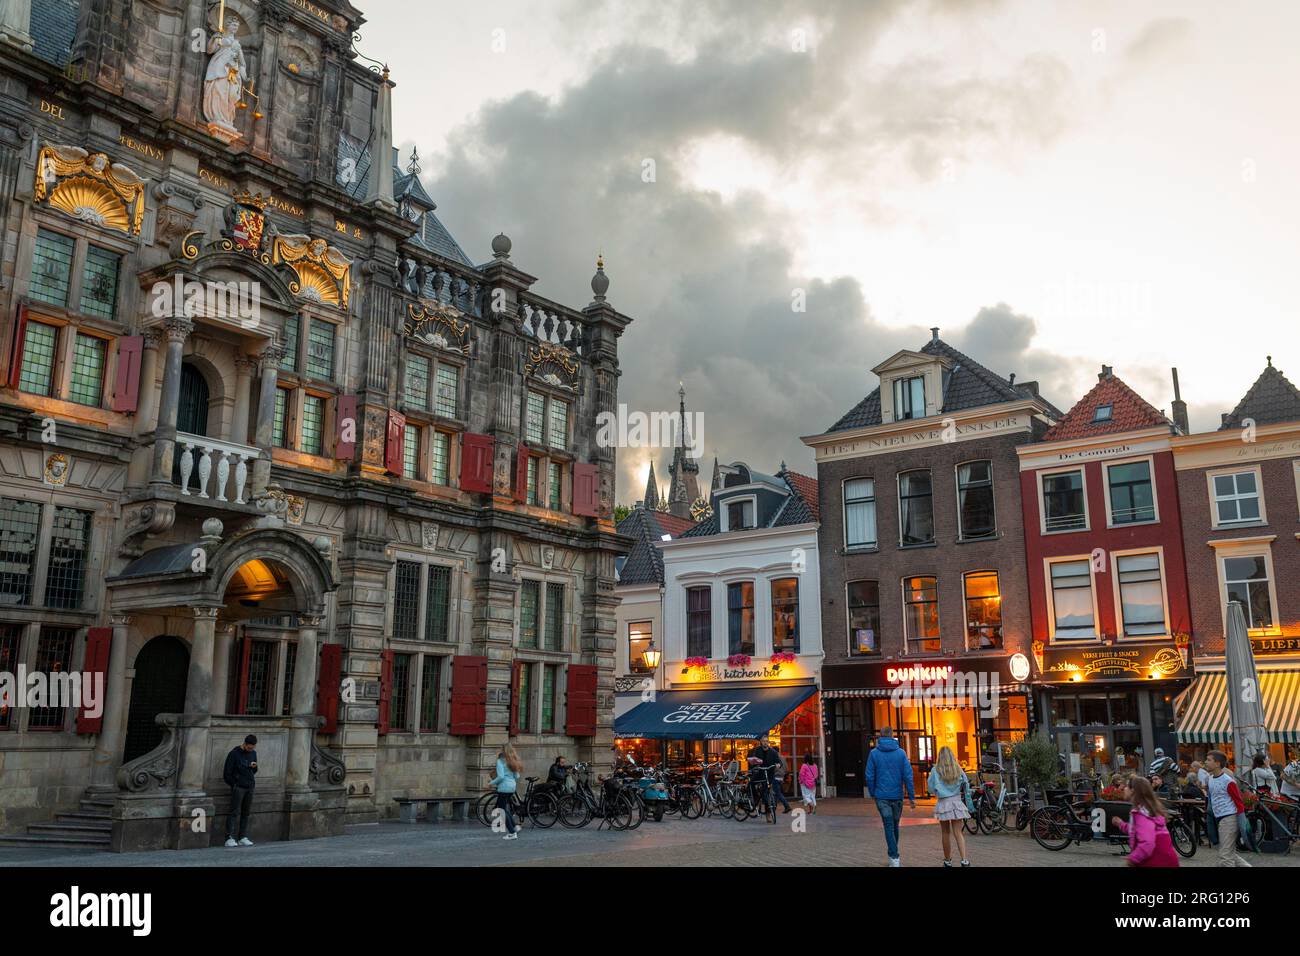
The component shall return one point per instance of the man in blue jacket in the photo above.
(889, 772)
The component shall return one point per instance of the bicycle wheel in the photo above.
(1050, 827)
(638, 809)
(972, 823)
(1183, 839)
(574, 812)
(543, 810)
(620, 812)
(726, 804)
(692, 804)
(991, 819)
(1022, 816)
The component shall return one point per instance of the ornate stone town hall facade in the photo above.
(275, 455)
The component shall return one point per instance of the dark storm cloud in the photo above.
(710, 281)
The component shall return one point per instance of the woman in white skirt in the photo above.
(948, 782)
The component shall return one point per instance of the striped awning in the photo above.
(1202, 710)
(887, 691)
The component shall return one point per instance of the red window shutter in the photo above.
(476, 453)
(468, 695)
(16, 353)
(328, 678)
(580, 701)
(394, 445)
(346, 423)
(521, 474)
(126, 384)
(244, 648)
(99, 640)
(516, 670)
(586, 490)
(385, 690)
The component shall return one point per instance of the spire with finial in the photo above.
(652, 490)
(684, 488)
(1270, 360)
(716, 481)
(413, 167)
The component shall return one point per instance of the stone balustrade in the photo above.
(219, 469)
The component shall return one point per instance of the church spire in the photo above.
(651, 491)
(684, 490)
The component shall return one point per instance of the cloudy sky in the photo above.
(1055, 186)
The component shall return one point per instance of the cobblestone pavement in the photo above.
(843, 834)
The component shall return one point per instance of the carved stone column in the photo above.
(244, 365)
(269, 364)
(147, 408)
(303, 703)
(108, 748)
(198, 698)
(225, 637)
(176, 330)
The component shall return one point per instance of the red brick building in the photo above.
(1239, 488)
(1106, 577)
(922, 560)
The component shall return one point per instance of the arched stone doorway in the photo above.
(161, 671)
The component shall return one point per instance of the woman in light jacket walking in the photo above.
(509, 767)
(949, 783)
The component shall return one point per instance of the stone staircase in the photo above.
(88, 827)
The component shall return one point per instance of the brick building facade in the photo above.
(922, 557)
(1240, 494)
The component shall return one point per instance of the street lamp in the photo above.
(651, 657)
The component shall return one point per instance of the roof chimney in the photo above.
(934, 333)
(1223, 418)
(1179, 408)
(1011, 379)
(1106, 372)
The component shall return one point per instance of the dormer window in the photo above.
(740, 515)
(1102, 413)
(909, 397)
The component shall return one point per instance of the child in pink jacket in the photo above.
(808, 774)
(1148, 836)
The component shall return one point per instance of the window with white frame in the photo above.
(1236, 497)
(909, 397)
(640, 635)
(859, 513)
(739, 514)
(1131, 492)
(976, 512)
(1064, 504)
(1246, 579)
(1073, 608)
(1141, 594)
(915, 508)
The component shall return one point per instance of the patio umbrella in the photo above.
(1245, 706)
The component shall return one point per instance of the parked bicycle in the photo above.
(614, 804)
(537, 804)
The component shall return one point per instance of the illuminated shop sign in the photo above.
(730, 712)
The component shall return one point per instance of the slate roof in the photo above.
(969, 385)
(800, 506)
(432, 235)
(645, 563)
(1129, 412)
(54, 27)
(1271, 400)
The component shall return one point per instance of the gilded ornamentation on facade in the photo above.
(90, 187)
(436, 324)
(324, 273)
(547, 361)
(57, 467)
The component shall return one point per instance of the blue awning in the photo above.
(721, 714)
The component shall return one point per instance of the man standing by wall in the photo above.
(240, 773)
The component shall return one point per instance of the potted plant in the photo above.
(739, 660)
(1036, 762)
